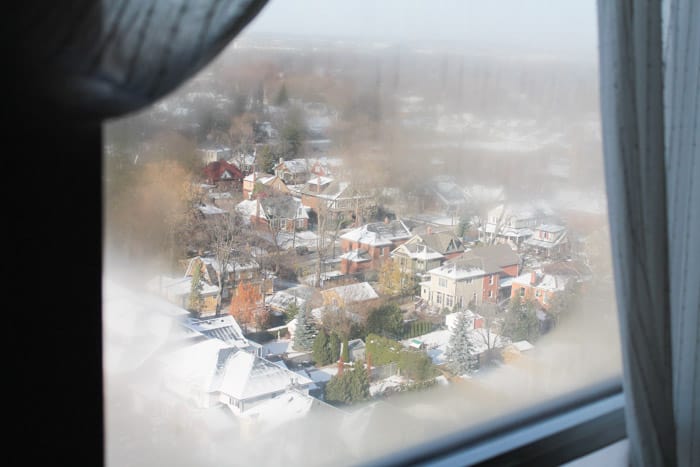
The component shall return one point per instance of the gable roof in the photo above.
(220, 170)
(492, 258)
(295, 166)
(352, 293)
(379, 233)
(439, 241)
(417, 251)
(243, 375)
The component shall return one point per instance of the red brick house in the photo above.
(268, 181)
(367, 247)
(221, 172)
(499, 262)
(538, 286)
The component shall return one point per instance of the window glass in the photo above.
(261, 329)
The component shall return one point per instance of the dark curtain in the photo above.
(651, 122)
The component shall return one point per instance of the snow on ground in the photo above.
(277, 347)
(435, 344)
(378, 387)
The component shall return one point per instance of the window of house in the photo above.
(456, 97)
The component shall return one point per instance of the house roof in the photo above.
(440, 241)
(249, 208)
(568, 268)
(283, 207)
(356, 256)
(219, 170)
(458, 271)
(417, 251)
(379, 233)
(492, 258)
(283, 298)
(288, 406)
(354, 292)
(243, 375)
(261, 177)
(210, 210)
(295, 166)
(552, 228)
(543, 281)
(225, 328)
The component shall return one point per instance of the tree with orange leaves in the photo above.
(245, 304)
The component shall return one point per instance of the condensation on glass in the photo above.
(329, 245)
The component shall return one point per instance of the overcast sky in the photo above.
(534, 25)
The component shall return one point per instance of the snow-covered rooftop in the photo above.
(457, 272)
(355, 292)
(379, 233)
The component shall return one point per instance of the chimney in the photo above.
(533, 278)
(430, 230)
(386, 220)
(281, 159)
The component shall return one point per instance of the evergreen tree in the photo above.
(345, 351)
(460, 348)
(521, 321)
(386, 321)
(195, 299)
(359, 383)
(334, 347)
(321, 349)
(348, 387)
(305, 332)
(292, 311)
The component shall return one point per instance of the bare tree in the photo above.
(328, 229)
(228, 238)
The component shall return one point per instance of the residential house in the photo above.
(513, 224)
(292, 171)
(500, 263)
(341, 200)
(427, 251)
(234, 272)
(281, 300)
(549, 241)
(177, 290)
(264, 181)
(225, 328)
(211, 151)
(211, 373)
(279, 213)
(367, 247)
(454, 285)
(416, 259)
(345, 295)
(326, 166)
(447, 196)
(222, 173)
(539, 286)
(349, 299)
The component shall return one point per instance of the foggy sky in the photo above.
(545, 26)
